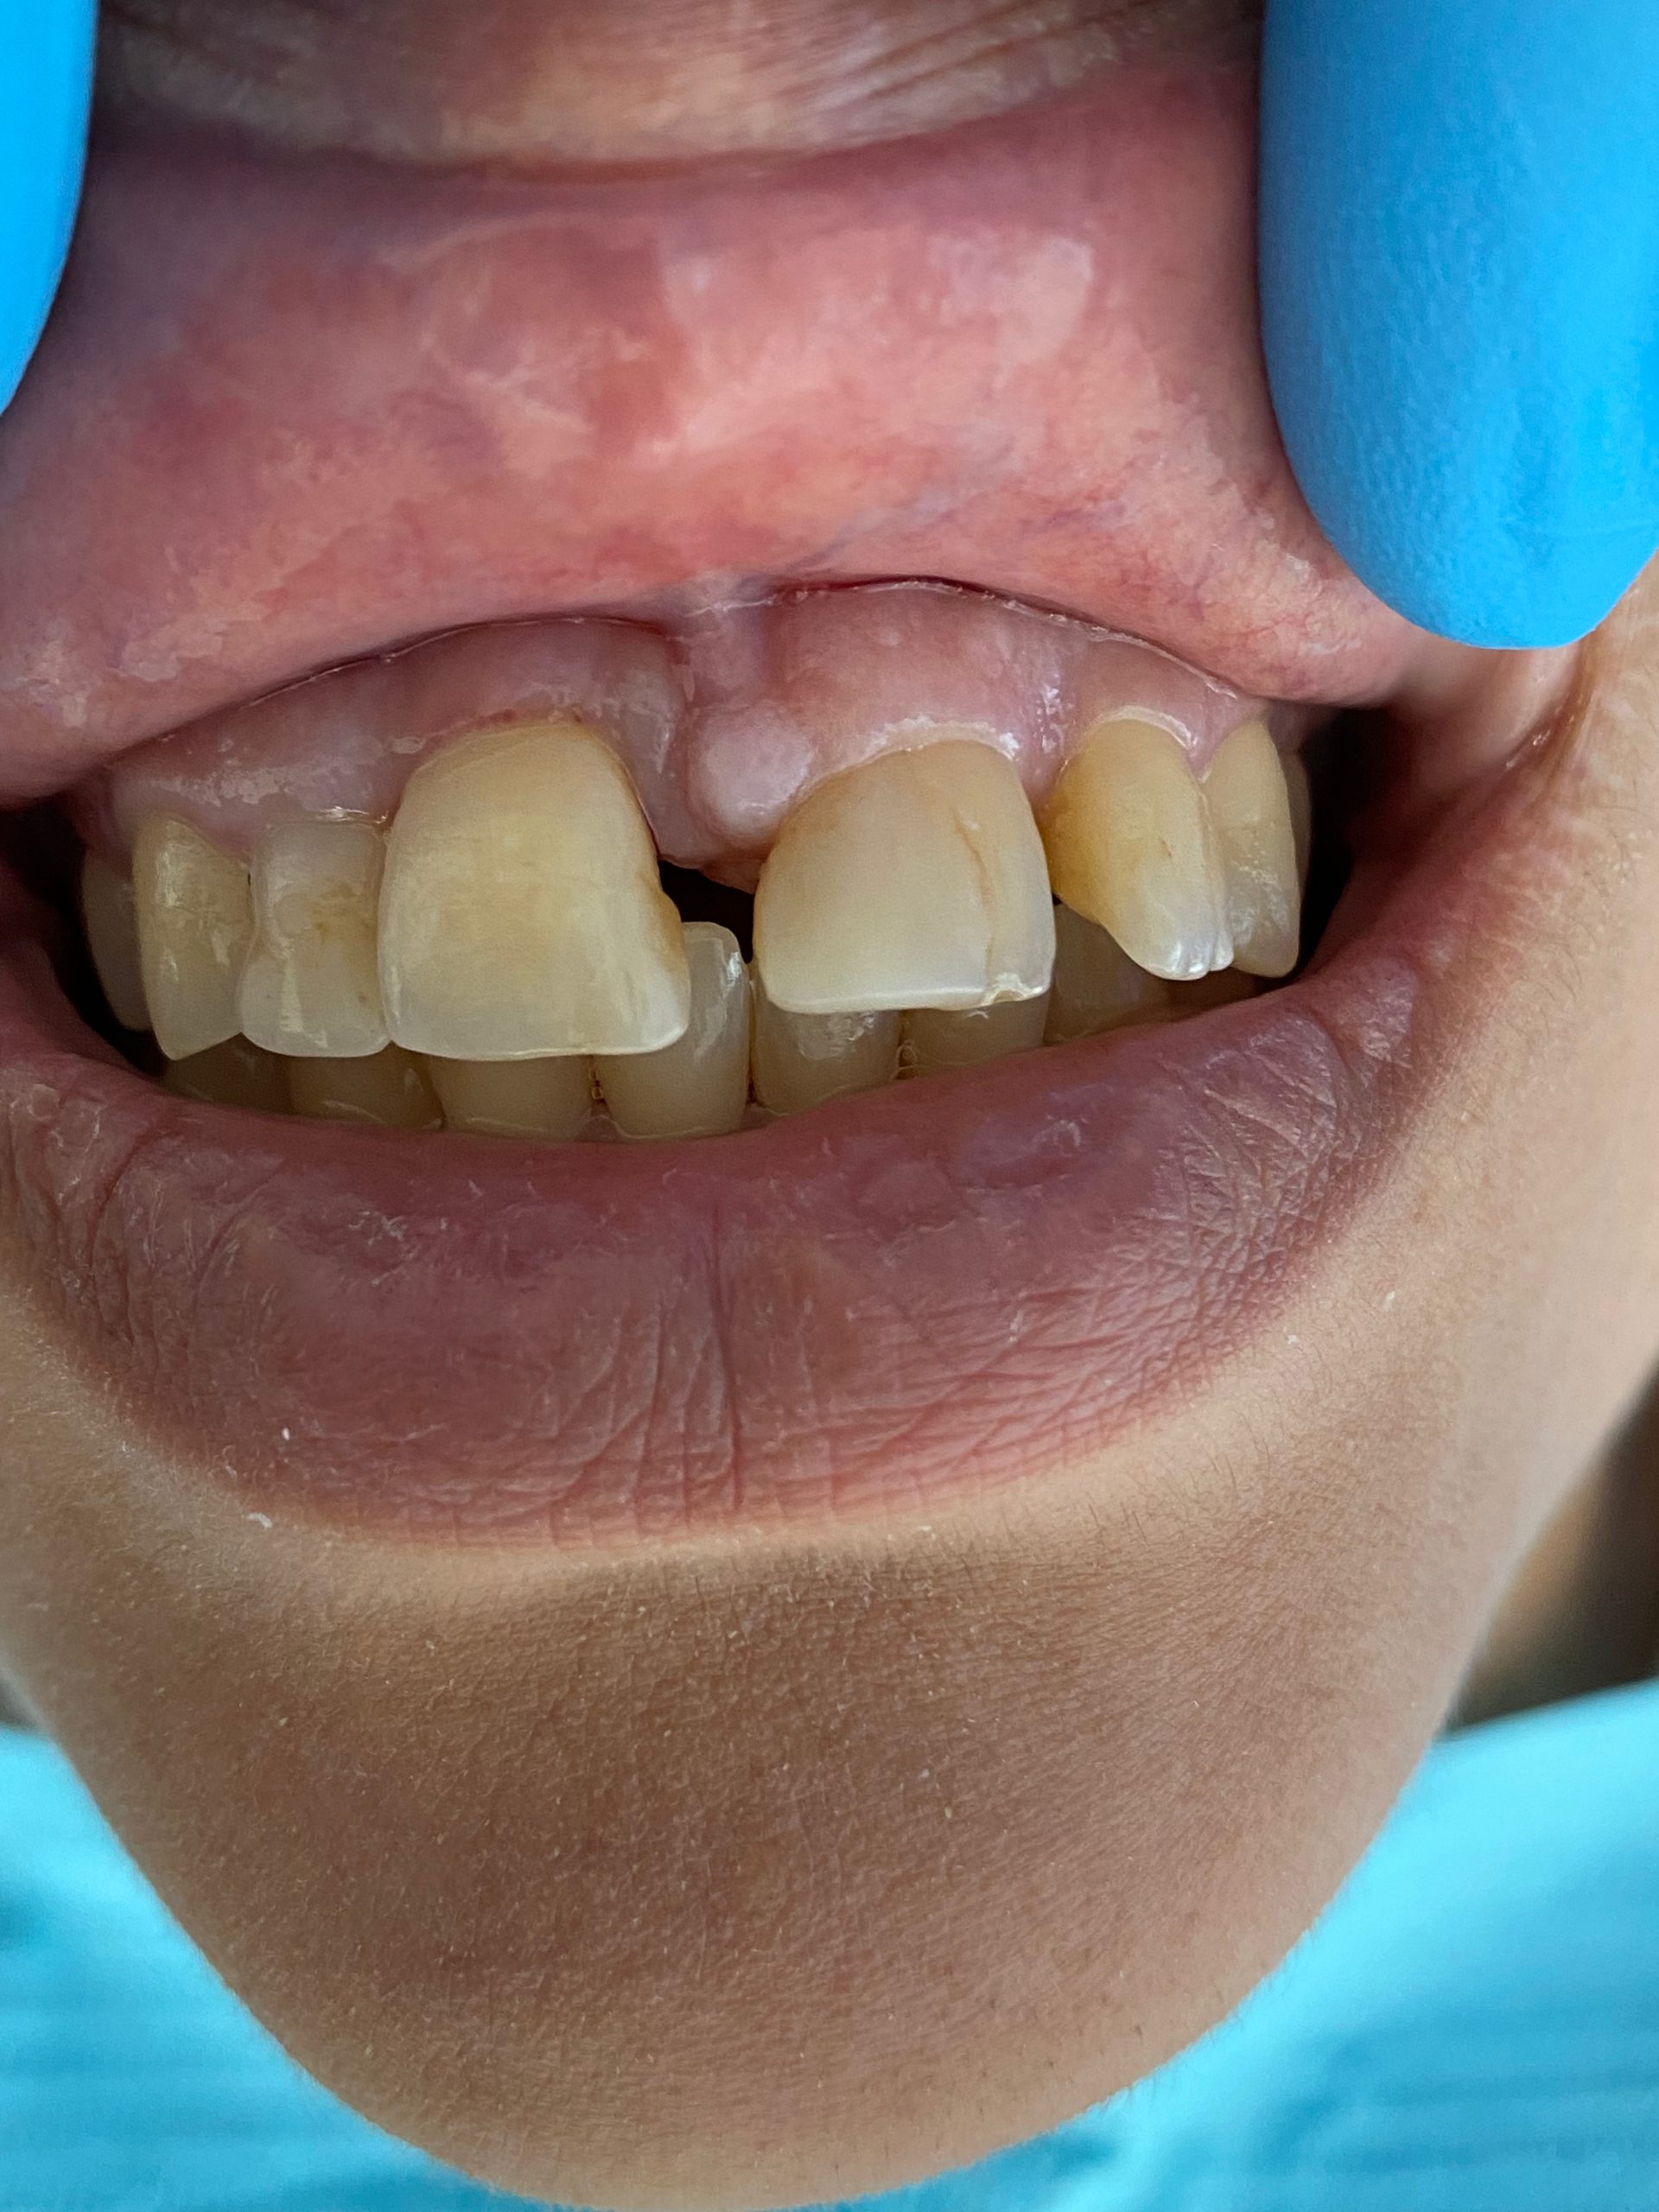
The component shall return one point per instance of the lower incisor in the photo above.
(235, 1073)
(698, 1087)
(390, 1091)
(937, 1042)
(802, 1060)
(551, 1099)
(1098, 986)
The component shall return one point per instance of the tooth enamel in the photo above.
(1097, 985)
(1130, 846)
(109, 912)
(1301, 814)
(802, 1059)
(1227, 987)
(915, 880)
(390, 1091)
(549, 1098)
(235, 1073)
(699, 1086)
(1250, 810)
(312, 984)
(195, 924)
(522, 912)
(936, 1042)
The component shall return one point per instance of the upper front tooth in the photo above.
(110, 913)
(1301, 814)
(914, 881)
(522, 912)
(1249, 805)
(1131, 846)
(312, 984)
(699, 1087)
(195, 924)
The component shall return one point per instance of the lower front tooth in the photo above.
(235, 1073)
(700, 1086)
(195, 926)
(1098, 986)
(1130, 846)
(935, 1043)
(109, 912)
(312, 984)
(916, 880)
(804, 1060)
(1250, 807)
(514, 1098)
(390, 1091)
(522, 913)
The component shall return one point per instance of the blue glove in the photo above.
(1460, 299)
(46, 84)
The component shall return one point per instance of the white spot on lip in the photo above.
(263, 1520)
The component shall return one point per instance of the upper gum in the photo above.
(725, 720)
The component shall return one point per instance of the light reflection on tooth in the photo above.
(1250, 808)
(917, 880)
(390, 1091)
(549, 1099)
(803, 1060)
(195, 924)
(699, 1086)
(1130, 846)
(312, 983)
(936, 1042)
(1097, 985)
(235, 1073)
(522, 912)
(108, 911)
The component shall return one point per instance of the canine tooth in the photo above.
(1130, 846)
(803, 1060)
(936, 1042)
(698, 1087)
(1097, 985)
(549, 1098)
(1250, 809)
(312, 984)
(916, 880)
(195, 924)
(522, 912)
(235, 1073)
(390, 1091)
(1302, 813)
(108, 911)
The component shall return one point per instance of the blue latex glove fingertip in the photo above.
(46, 78)
(1460, 299)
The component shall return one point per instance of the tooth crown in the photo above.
(312, 983)
(1251, 806)
(195, 926)
(698, 1086)
(522, 912)
(917, 880)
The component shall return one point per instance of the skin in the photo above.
(776, 1865)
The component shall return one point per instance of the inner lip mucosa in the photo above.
(593, 875)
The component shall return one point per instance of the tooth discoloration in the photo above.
(312, 983)
(698, 1086)
(1098, 986)
(109, 913)
(390, 1091)
(195, 926)
(915, 880)
(235, 1073)
(802, 1060)
(522, 913)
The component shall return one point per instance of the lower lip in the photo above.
(930, 1290)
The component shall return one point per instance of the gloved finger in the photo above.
(46, 77)
(1460, 299)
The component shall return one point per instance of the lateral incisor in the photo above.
(522, 913)
(195, 924)
(312, 985)
(915, 879)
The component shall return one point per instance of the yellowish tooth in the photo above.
(390, 1091)
(803, 1060)
(235, 1073)
(1097, 985)
(1250, 808)
(549, 1099)
(312, 984)
(195, 926)
(1302, 813)
(108, 911)
(1227, 987)
(1130, 846)
(522, 912)
(936, 1042)
(698, 1087)
(916, 880)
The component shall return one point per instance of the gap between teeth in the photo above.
(503, 959)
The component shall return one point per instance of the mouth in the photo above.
(683, 910)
